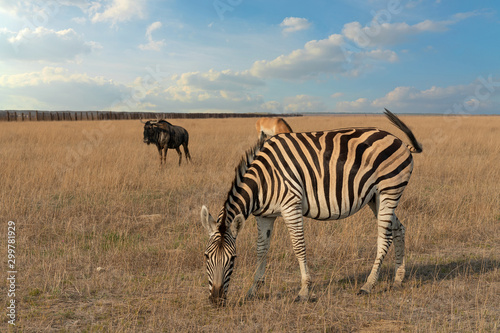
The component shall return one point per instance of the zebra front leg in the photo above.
(265, 227)
(295, 223)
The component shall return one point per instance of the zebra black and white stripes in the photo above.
(220, 254)
(323, 175)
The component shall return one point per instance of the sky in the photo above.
(315, 56)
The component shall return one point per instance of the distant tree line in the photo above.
(34, 115)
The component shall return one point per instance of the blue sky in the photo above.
(419, 56)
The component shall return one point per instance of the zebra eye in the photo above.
(206, 255)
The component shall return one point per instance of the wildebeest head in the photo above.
(149, 131)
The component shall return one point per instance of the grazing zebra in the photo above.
(268, 127)
(322, 175)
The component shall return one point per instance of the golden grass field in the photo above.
(89, 195)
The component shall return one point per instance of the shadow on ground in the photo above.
(425, 273)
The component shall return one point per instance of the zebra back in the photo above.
(332, 173)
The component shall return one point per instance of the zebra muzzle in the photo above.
(218, 296)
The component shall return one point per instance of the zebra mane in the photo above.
(244, 164)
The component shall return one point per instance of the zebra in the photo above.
(326, 175)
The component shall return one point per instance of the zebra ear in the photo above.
(207, 220)
(237, 225)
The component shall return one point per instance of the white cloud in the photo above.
(48, 75)
(43, 44)
(152, 27)
(77, 3)
(272, 107)
(29, 8)
(358, 105)
(213, 91)
(375, 34)
(337, 55)
(55, 88)
(458, 99)
(219, 80)
(79, 20)
(10, 7)
(387, 33)
(326, 56)
(304, 103)
(152, 44)
(37, 13)
(117, 11)
(432, 98)
(293, 24)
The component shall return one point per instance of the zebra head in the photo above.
(220, 252)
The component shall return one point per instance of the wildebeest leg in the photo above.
(186, 151)
(160, 152)
(165, 150)
(180, 154)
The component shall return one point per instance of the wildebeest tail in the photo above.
(415, 146)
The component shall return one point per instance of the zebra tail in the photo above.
(415, 146)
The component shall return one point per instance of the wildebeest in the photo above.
(272, 126)
(166, 136)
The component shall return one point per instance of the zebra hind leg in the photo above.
(398, 232)
(384, 211)
(265, 227)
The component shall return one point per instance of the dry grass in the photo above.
(90, 194)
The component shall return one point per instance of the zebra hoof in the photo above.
(397, 287)
(300, 299)
(362, 292)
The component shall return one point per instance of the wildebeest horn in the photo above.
(142, 121)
